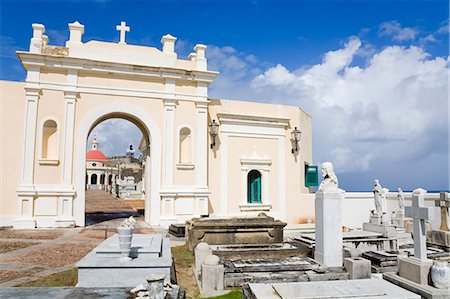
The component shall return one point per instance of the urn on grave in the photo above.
(440, 274)
(125, 233)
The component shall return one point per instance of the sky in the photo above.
(372, 74)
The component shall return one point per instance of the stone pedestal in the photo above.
(328, 212)
(358, 268)
(202, 250)
(414, 269)
(212, 276)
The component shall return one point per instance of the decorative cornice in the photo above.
(253, 120)
(35, 59)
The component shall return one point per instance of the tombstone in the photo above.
(328, 212)
(441, 237)
(202, 250)
(212, 274)
(418, 267)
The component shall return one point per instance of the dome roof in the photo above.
(95, 155)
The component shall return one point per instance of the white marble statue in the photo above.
(330, 180)
(378, 197)
(401, 199)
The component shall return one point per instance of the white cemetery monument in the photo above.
(328, 210)
(379, 222)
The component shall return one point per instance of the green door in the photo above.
(254, 187)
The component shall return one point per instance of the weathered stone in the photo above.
(202, 250)
(364, 288)
(358, 268)
(414, 269)
(425, 291)
(439, 238)
(250, 251)
(212, 274)
(248, 230)
(156, 286)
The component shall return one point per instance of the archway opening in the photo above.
(117, 172)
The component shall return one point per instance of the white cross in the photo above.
(419, 215)
(122, 28)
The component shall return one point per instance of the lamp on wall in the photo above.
(213, 131)
(296, 134)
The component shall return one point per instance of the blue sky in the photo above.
(373, 74)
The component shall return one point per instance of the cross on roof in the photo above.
(444, 203)
(419, 215)
(122, 28)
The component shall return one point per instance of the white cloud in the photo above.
(115, 136)
(393, 110)
(397, 32)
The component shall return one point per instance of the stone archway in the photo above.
(148, 126)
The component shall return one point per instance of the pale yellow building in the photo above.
(253, 164)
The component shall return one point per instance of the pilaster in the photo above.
(202, 145)
(32, 100)
(69, 128)
(169, 148)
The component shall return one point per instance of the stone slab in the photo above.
(104, 270)
(439, 238)
(388, 231)
(141, 244)
(271, 265)
(63, 292)
(425, 291)
(177, 229)
(251, 251)
(238, 230)
(363, 288)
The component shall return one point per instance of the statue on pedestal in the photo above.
(330, 180)
(378, 197)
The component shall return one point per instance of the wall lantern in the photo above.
(296, 134)
(213, 131)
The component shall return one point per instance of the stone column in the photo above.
(328, 210)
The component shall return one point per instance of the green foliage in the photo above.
(237, 294)
(67, 278)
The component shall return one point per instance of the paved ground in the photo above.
(26, 255)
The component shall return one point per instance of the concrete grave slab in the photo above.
(102, 268)
(363, 288)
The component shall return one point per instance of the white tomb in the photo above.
(102, 268)
(361, 288)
